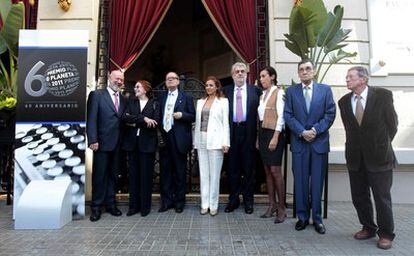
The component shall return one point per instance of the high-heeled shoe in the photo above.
(280, 216)
(269, 213)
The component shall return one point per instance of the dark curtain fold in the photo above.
(133, 24)
(236, 21)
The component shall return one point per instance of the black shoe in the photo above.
(144, 213)
(132, 212)
(301, 224)
(114, 211)
(320, 228)
(248, 209)
(165, 208)
(179, 209)
(95, 215)
(231, 207)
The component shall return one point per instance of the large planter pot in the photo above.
(7, 125)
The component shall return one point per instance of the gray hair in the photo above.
(361, 71)
(238, 65)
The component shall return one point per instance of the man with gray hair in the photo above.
(370, 123)
(243, 103)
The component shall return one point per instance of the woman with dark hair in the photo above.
(212, 140)
(271, 141)
(141, 118)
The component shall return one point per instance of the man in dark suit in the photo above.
(309, 112)
(370, 123)
(178, 113)
(243, 103)
(105, 108)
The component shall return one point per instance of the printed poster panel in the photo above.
(51, 106)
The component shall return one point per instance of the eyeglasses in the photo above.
(307, 69)
(171, 78)
(242, 71)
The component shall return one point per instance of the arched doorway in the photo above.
(188, 42)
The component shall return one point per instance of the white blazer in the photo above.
(218, 131)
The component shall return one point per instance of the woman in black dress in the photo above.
(271, 141)
(141, 118)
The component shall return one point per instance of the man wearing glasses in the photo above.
(309, 112)
(243, 103)
(177, 113)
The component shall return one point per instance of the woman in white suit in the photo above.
(212, 140)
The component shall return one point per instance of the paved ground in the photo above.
(190, 233)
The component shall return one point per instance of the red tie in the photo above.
(239, 105)
(116, 101)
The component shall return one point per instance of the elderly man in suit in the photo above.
(370, 123)
(309, 112)
(178, 114)
(243, 102)
(103, 128)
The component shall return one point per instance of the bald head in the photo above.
(116, 80)
(172, 80)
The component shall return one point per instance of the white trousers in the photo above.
(210, 163)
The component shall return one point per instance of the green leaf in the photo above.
(319, 9)
(3, 80)
(340, 55)
(301, 23)
(11, 26)
(340, 36)
(332, 25)
(5, 6)
(297, 44)
(3, 45)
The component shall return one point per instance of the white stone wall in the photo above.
(81, 15)
(402, 85)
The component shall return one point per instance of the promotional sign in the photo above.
(51, 107)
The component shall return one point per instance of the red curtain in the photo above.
(133, 23)
(236, 21)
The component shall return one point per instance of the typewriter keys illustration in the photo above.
(52, 152)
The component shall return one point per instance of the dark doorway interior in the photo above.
(188, 42)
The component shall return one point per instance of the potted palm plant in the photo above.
(11, 20)
(317, 35)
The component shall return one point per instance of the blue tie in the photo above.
(307, 98)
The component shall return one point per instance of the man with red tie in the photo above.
(243, 103)
(103, 127)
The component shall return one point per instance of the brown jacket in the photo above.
(372, 140)
(270, 115)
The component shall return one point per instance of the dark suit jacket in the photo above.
(181, 128)
(253, 96)
(103, 122)
(371, 140)
(133, 118)
(321, 116)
